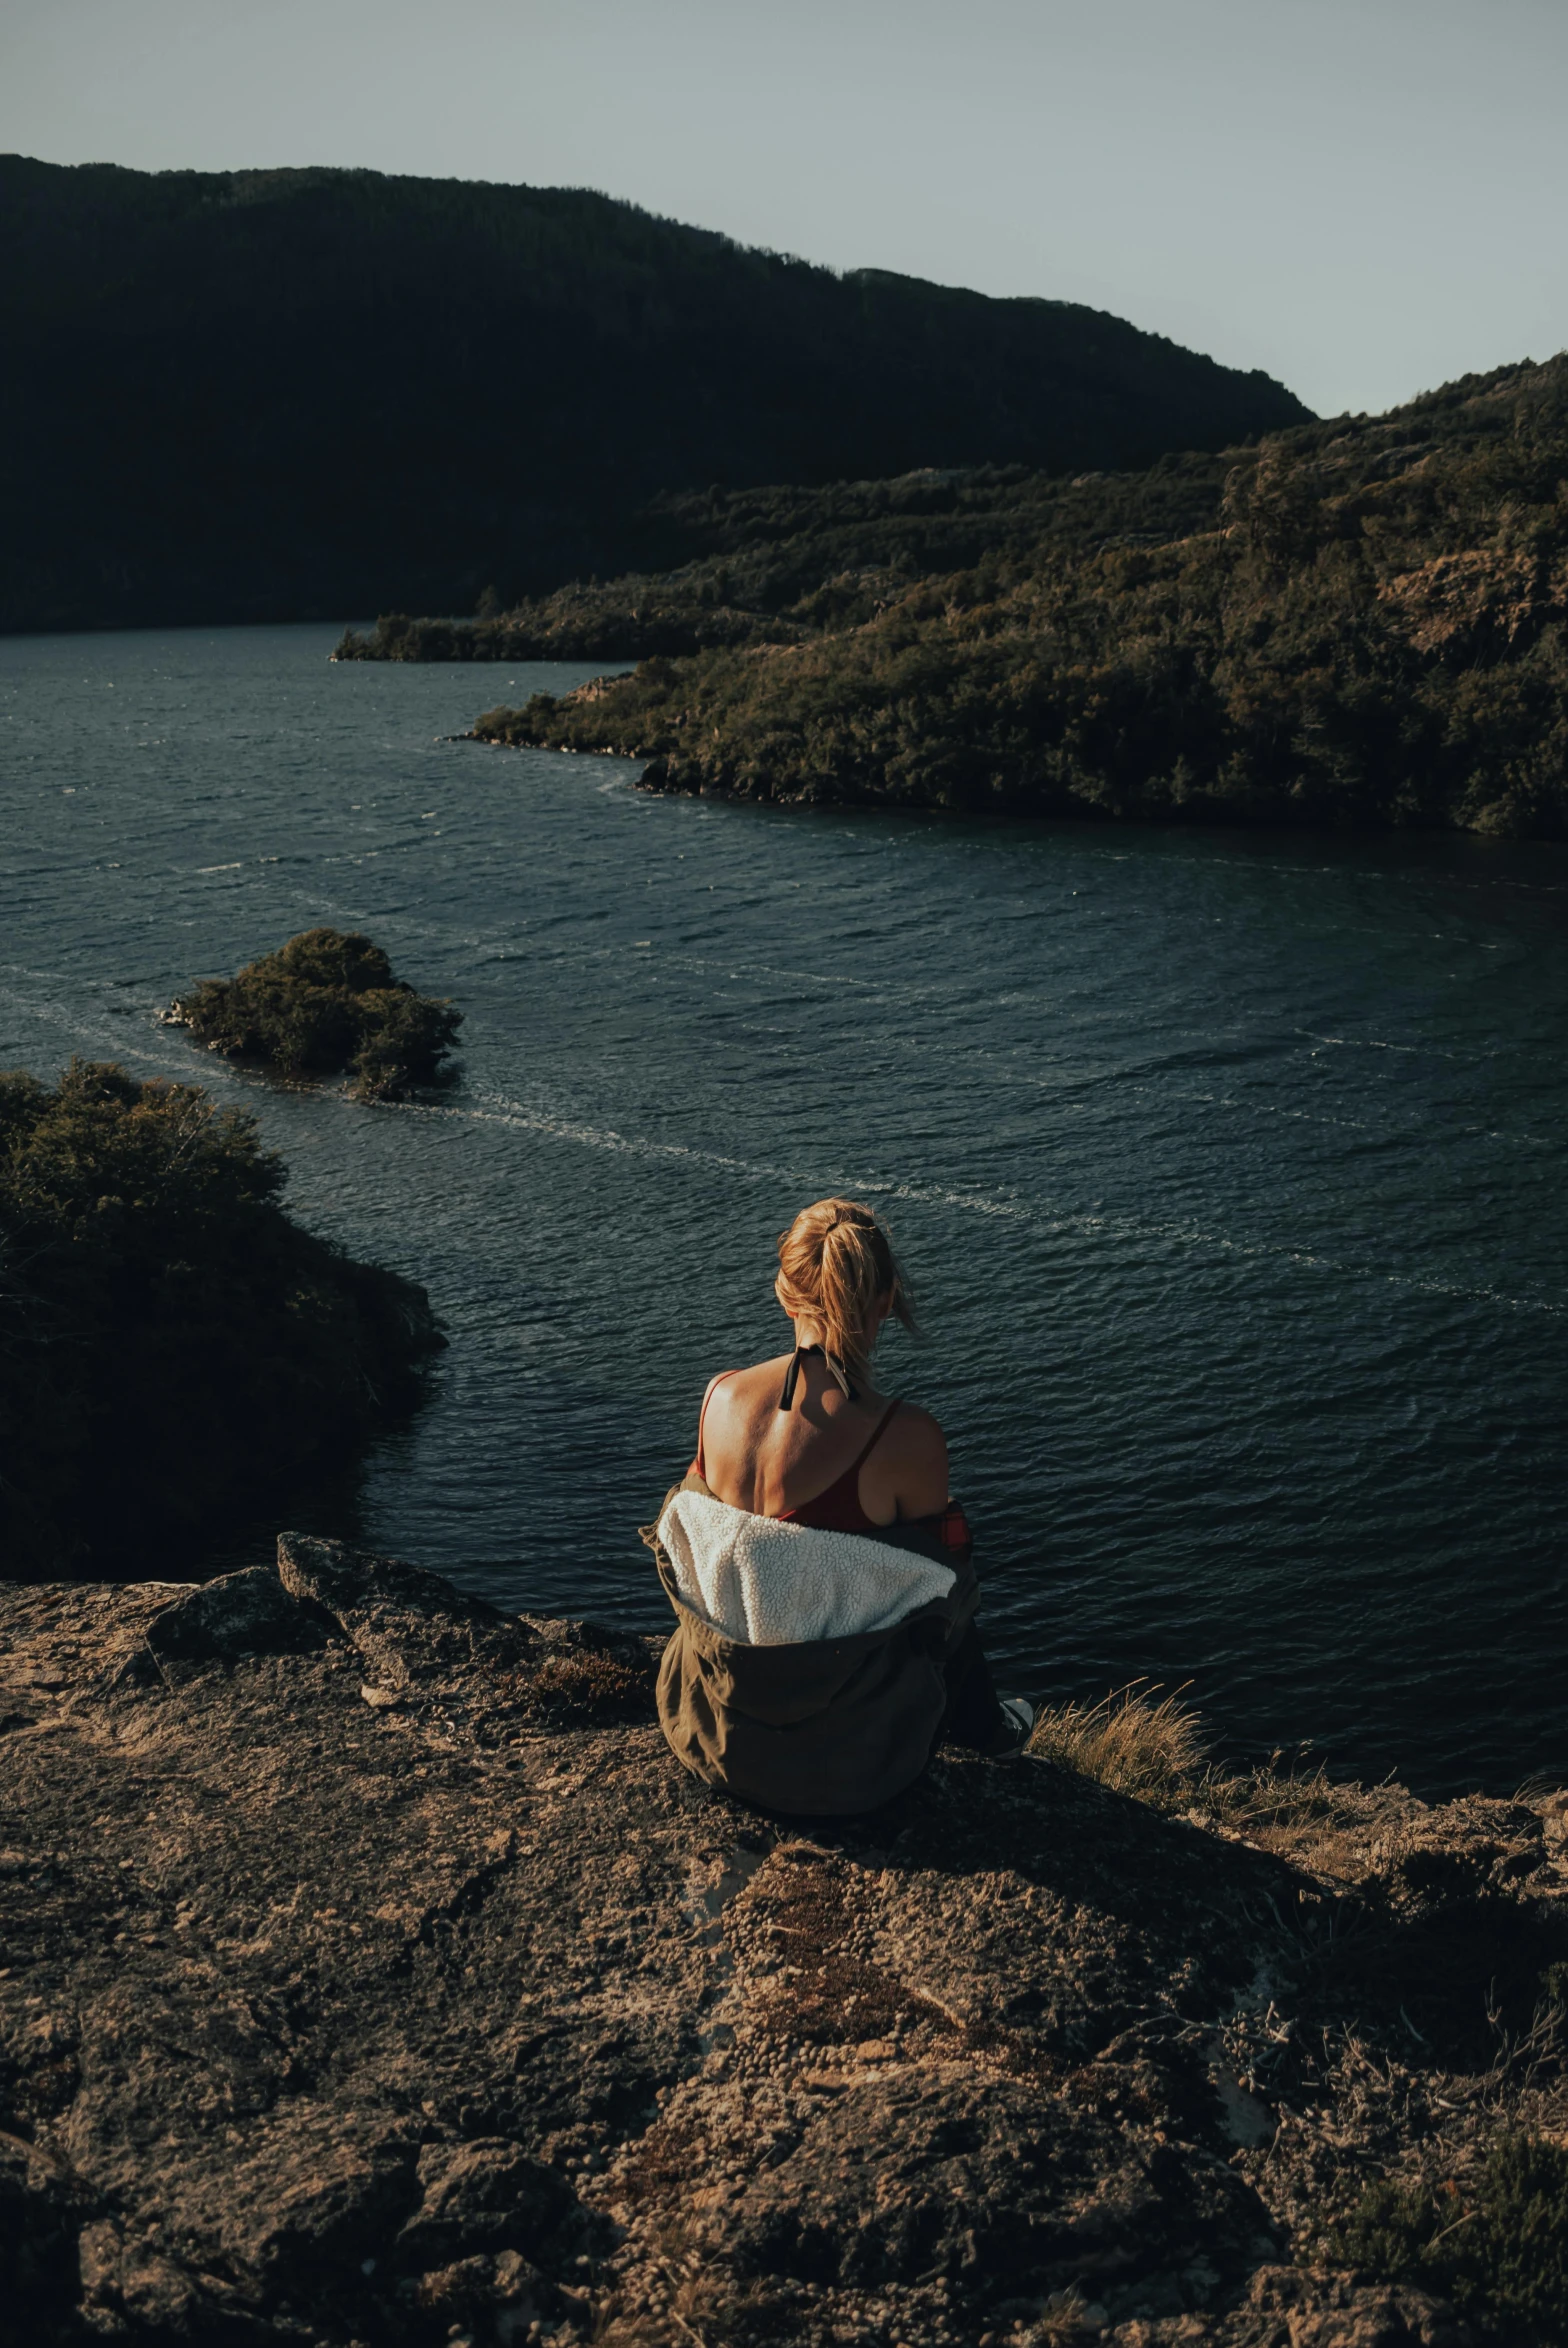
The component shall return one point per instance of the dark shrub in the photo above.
(325, 1001)
(172, 1341)
(1496, 2245)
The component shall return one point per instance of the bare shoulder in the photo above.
(917, 1461)
(916, 1433)
(733, 1393)
(712, 1410)
(911, 1463)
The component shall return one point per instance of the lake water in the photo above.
(1228, 1168)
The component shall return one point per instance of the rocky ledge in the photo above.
(371, 1974)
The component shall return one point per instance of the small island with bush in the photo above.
(324, 1003)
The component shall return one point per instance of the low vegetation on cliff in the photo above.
(782, 565)
(1481, 2219)
(1363, 621)
(1495, 2245)
(173, 1342)
(325, 1001)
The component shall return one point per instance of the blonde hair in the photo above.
(835, 1263)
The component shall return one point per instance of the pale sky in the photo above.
(1365, 197)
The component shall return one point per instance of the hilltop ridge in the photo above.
(287, 394)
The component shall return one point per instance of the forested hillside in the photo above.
(275, 394)
(1363, 621)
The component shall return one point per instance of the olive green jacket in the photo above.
(822, 1728)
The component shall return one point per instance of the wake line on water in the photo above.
(1375, 1043)
(514, 1113)
(517, 1115)
(1125, 1227)
(118, 1045)
(1066, 1089)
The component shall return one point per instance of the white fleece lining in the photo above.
(767, 1584)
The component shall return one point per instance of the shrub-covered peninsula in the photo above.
(1363, 621)
(325, 1001)
(175, 1344)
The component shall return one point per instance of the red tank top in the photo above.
(838, 1509)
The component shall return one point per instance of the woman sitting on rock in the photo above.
(824, 1597)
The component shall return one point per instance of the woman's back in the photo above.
(842, 1462)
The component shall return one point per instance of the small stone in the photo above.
(381, 1699)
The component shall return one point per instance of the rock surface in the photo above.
(370, 1973)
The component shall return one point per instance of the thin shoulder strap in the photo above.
(713, 1388)
(877, 1433)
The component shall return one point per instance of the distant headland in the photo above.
(1362, 621)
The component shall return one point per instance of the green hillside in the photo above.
(1359, 621)
(275, 394)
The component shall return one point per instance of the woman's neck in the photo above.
(811, 1334)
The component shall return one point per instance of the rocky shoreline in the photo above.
(369, 1973)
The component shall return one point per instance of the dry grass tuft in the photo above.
(1153, 1747)
(1134, 1740)
(1063, 2320)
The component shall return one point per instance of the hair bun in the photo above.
(842, 1298)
